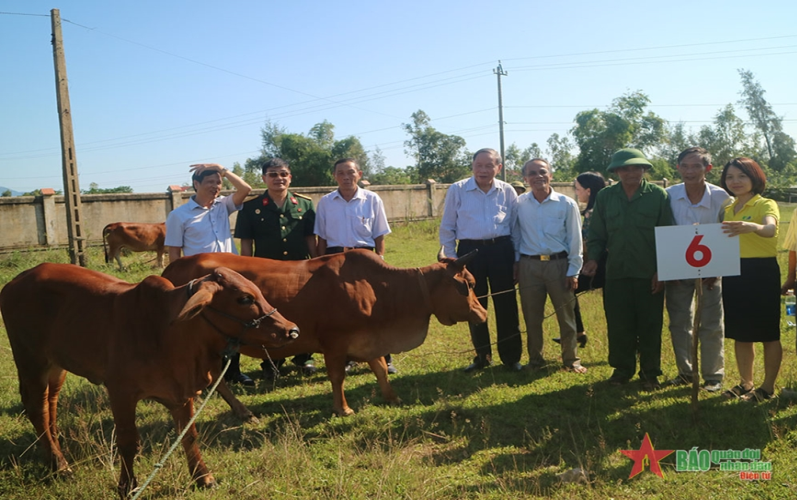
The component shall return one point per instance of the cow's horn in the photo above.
(441, 255)
(462, 261)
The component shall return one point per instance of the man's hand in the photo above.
(710, 282)
(788, 284)
(197, 169)
(590, 268)
(571, 283)
(655, 285)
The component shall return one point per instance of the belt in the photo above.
(547, 257)
(487, 241)
(338, 250)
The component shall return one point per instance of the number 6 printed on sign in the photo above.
(694, 248)
(698, 251)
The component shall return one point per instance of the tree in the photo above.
(437, 156)
(598, 134)
(310, 156)
(391, 175)
(515, 159)
(780, 146)
(94, 189)
(726, 138)
(7, 193)
(560, 157)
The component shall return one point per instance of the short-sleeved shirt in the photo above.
(471, 214)
(549, 227)
(626, 229)
(710, 209)
(356, 223)
(754, 211)
(790, 243)
(197, 229)
(277, 232)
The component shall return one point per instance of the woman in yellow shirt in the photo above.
(752, 299)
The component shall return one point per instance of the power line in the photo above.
(649, 48)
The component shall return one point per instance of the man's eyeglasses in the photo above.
(278, 174)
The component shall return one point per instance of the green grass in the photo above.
(490, 435)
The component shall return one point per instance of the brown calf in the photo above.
(138, 237)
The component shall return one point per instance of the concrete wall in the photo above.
(40, 222)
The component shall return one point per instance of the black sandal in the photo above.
(758, 396)
(736, 392)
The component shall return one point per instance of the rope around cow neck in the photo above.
(179, 440)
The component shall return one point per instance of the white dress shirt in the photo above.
(709, 210)
(549, 227)
(356, 223)
(197, 229)
(471, 214)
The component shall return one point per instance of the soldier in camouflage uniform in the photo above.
(279, 225)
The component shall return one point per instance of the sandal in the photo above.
(577, 368)
(735, 392)
(758, 396)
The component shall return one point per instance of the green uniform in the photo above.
(278, 232)
(625, 229)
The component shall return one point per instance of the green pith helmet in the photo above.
(519, 186)
(628, 156)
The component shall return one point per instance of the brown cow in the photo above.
(148, 340)
(350, 306)
(138, 237)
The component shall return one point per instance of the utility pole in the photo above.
(68, 160)
(500, 72)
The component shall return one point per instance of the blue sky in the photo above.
(158, 85)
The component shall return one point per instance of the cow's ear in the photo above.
(195, 305)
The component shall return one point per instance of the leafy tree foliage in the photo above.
(94, 189)
(7, 193)
(598, 134)
(780, 147)
(437, 156)
(310, 156)
(515, 159)
(391, 175)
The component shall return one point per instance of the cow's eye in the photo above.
(246, 300)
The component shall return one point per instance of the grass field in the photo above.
(489, 435)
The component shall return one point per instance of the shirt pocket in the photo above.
(615, 218)
(555, 225)
(361, 222)
(645, 217)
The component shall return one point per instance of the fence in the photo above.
(33, 223)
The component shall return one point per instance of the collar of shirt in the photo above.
(194, 205)
(552, 196)
(749, 203)
(471, 185)
(357, 194)
(705, 200)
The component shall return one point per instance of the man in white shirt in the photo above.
(548, 258)
(203, 225)
(480, 212)
(697, 202)
(351, 218)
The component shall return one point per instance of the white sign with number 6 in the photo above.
(698, 251)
